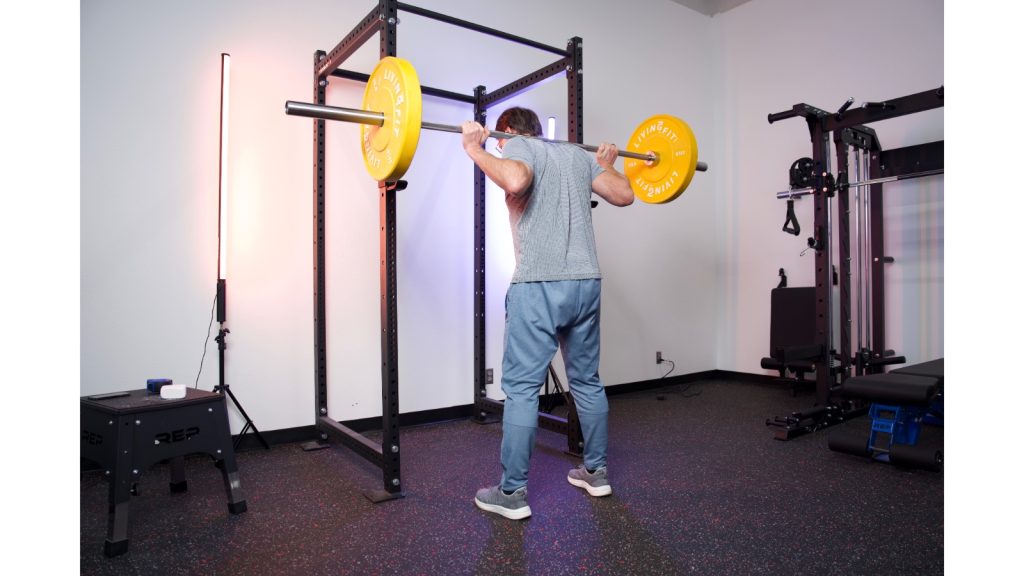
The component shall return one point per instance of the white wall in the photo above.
(150, 74)
(770, 55)
(690, 278)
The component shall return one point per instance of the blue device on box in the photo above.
(155, 384)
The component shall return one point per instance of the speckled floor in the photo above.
(700, 487)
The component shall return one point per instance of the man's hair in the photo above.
(523, 120)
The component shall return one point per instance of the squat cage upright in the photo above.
(849, 130)
(387, 453)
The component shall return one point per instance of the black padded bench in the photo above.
(901, 401)
(893, 388)
(933, 369)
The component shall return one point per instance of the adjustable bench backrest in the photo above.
(792, 318)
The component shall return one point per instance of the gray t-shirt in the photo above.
(552, 232)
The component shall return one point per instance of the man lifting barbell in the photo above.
(555, 293)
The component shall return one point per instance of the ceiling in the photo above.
(711, 7)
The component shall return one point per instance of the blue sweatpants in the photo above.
(540, 316)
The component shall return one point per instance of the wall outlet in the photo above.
(489, 376)
(657, 357)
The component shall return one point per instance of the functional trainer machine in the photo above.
(836, 362)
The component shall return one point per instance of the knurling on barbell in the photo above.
(660, 156)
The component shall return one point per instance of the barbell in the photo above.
(660, 156)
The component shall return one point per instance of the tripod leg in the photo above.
(248, 421)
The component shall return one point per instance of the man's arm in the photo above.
(611, 185)
(513, 176)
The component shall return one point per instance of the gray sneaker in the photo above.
(595, 484)
(512, 506)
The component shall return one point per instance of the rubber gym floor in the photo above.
(700, 487)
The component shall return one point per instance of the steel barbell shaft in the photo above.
(377, 119)
(498, 134)
(333, 113)
(701, 166)
(357, 116)
(798, 192)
